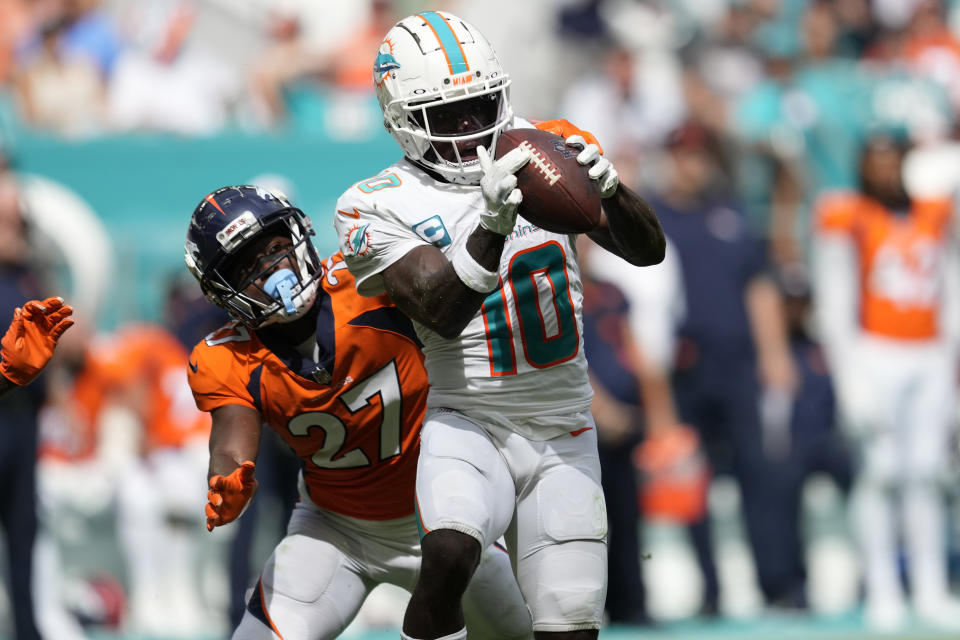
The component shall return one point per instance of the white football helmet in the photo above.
(443, 93)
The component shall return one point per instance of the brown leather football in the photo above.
(558, 194)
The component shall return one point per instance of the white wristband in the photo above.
(471, 273)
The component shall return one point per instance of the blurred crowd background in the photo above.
(738, 484)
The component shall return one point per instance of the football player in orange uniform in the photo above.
(882, 269)
(340, 377)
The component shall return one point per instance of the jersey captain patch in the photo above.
(433, 231)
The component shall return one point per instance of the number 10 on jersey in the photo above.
(542, 307)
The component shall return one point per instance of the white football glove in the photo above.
(499, 187)
(602, 170)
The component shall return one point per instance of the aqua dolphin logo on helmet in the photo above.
(385, 62)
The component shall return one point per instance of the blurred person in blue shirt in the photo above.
(732, 346)
(799, 430)
(813, 442)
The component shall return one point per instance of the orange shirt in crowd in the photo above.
(143, 368)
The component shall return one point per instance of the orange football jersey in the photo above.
(900, 261)
(70, 434)
(140, 366)
(354, 418)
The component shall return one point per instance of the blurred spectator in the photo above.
(292, 59)
(724, 67)
(161, 486)
(187, 313)
(732, 348)
(349, 69)
(799, 435)
(120, 436)
(886, 282)
(631, 105)
(91, 34)
(614, 361)
(166, 83)
(286, 59)
(18, 421)
(814, 441)
(14, 25)
(809, 113)
(901, 99)
(58, 91)
(932, 49)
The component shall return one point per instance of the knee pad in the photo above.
(565, 585)
(562, 569)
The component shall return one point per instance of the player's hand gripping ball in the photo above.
(558, 192)
(599, 168)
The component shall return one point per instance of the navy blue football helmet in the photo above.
(231, 219)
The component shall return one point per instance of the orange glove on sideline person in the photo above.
(31, 338)
(229, 495)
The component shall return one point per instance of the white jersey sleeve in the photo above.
(372, 229)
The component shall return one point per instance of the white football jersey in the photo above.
(521, 356)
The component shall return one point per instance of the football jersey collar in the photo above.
(319, 370)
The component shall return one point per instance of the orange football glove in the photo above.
(229, 495)
(565, 129)
(31, 338)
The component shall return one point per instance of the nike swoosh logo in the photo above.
(355, 214)
(192, 366)
(573, 433)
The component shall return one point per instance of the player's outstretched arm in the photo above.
(445, 294)
(29, 342)
(234, 442)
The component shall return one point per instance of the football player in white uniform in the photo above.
(508, 443)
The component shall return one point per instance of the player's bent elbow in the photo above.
(656, 254)
(447, 321)
(649, 256)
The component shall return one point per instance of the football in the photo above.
(558, 194)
